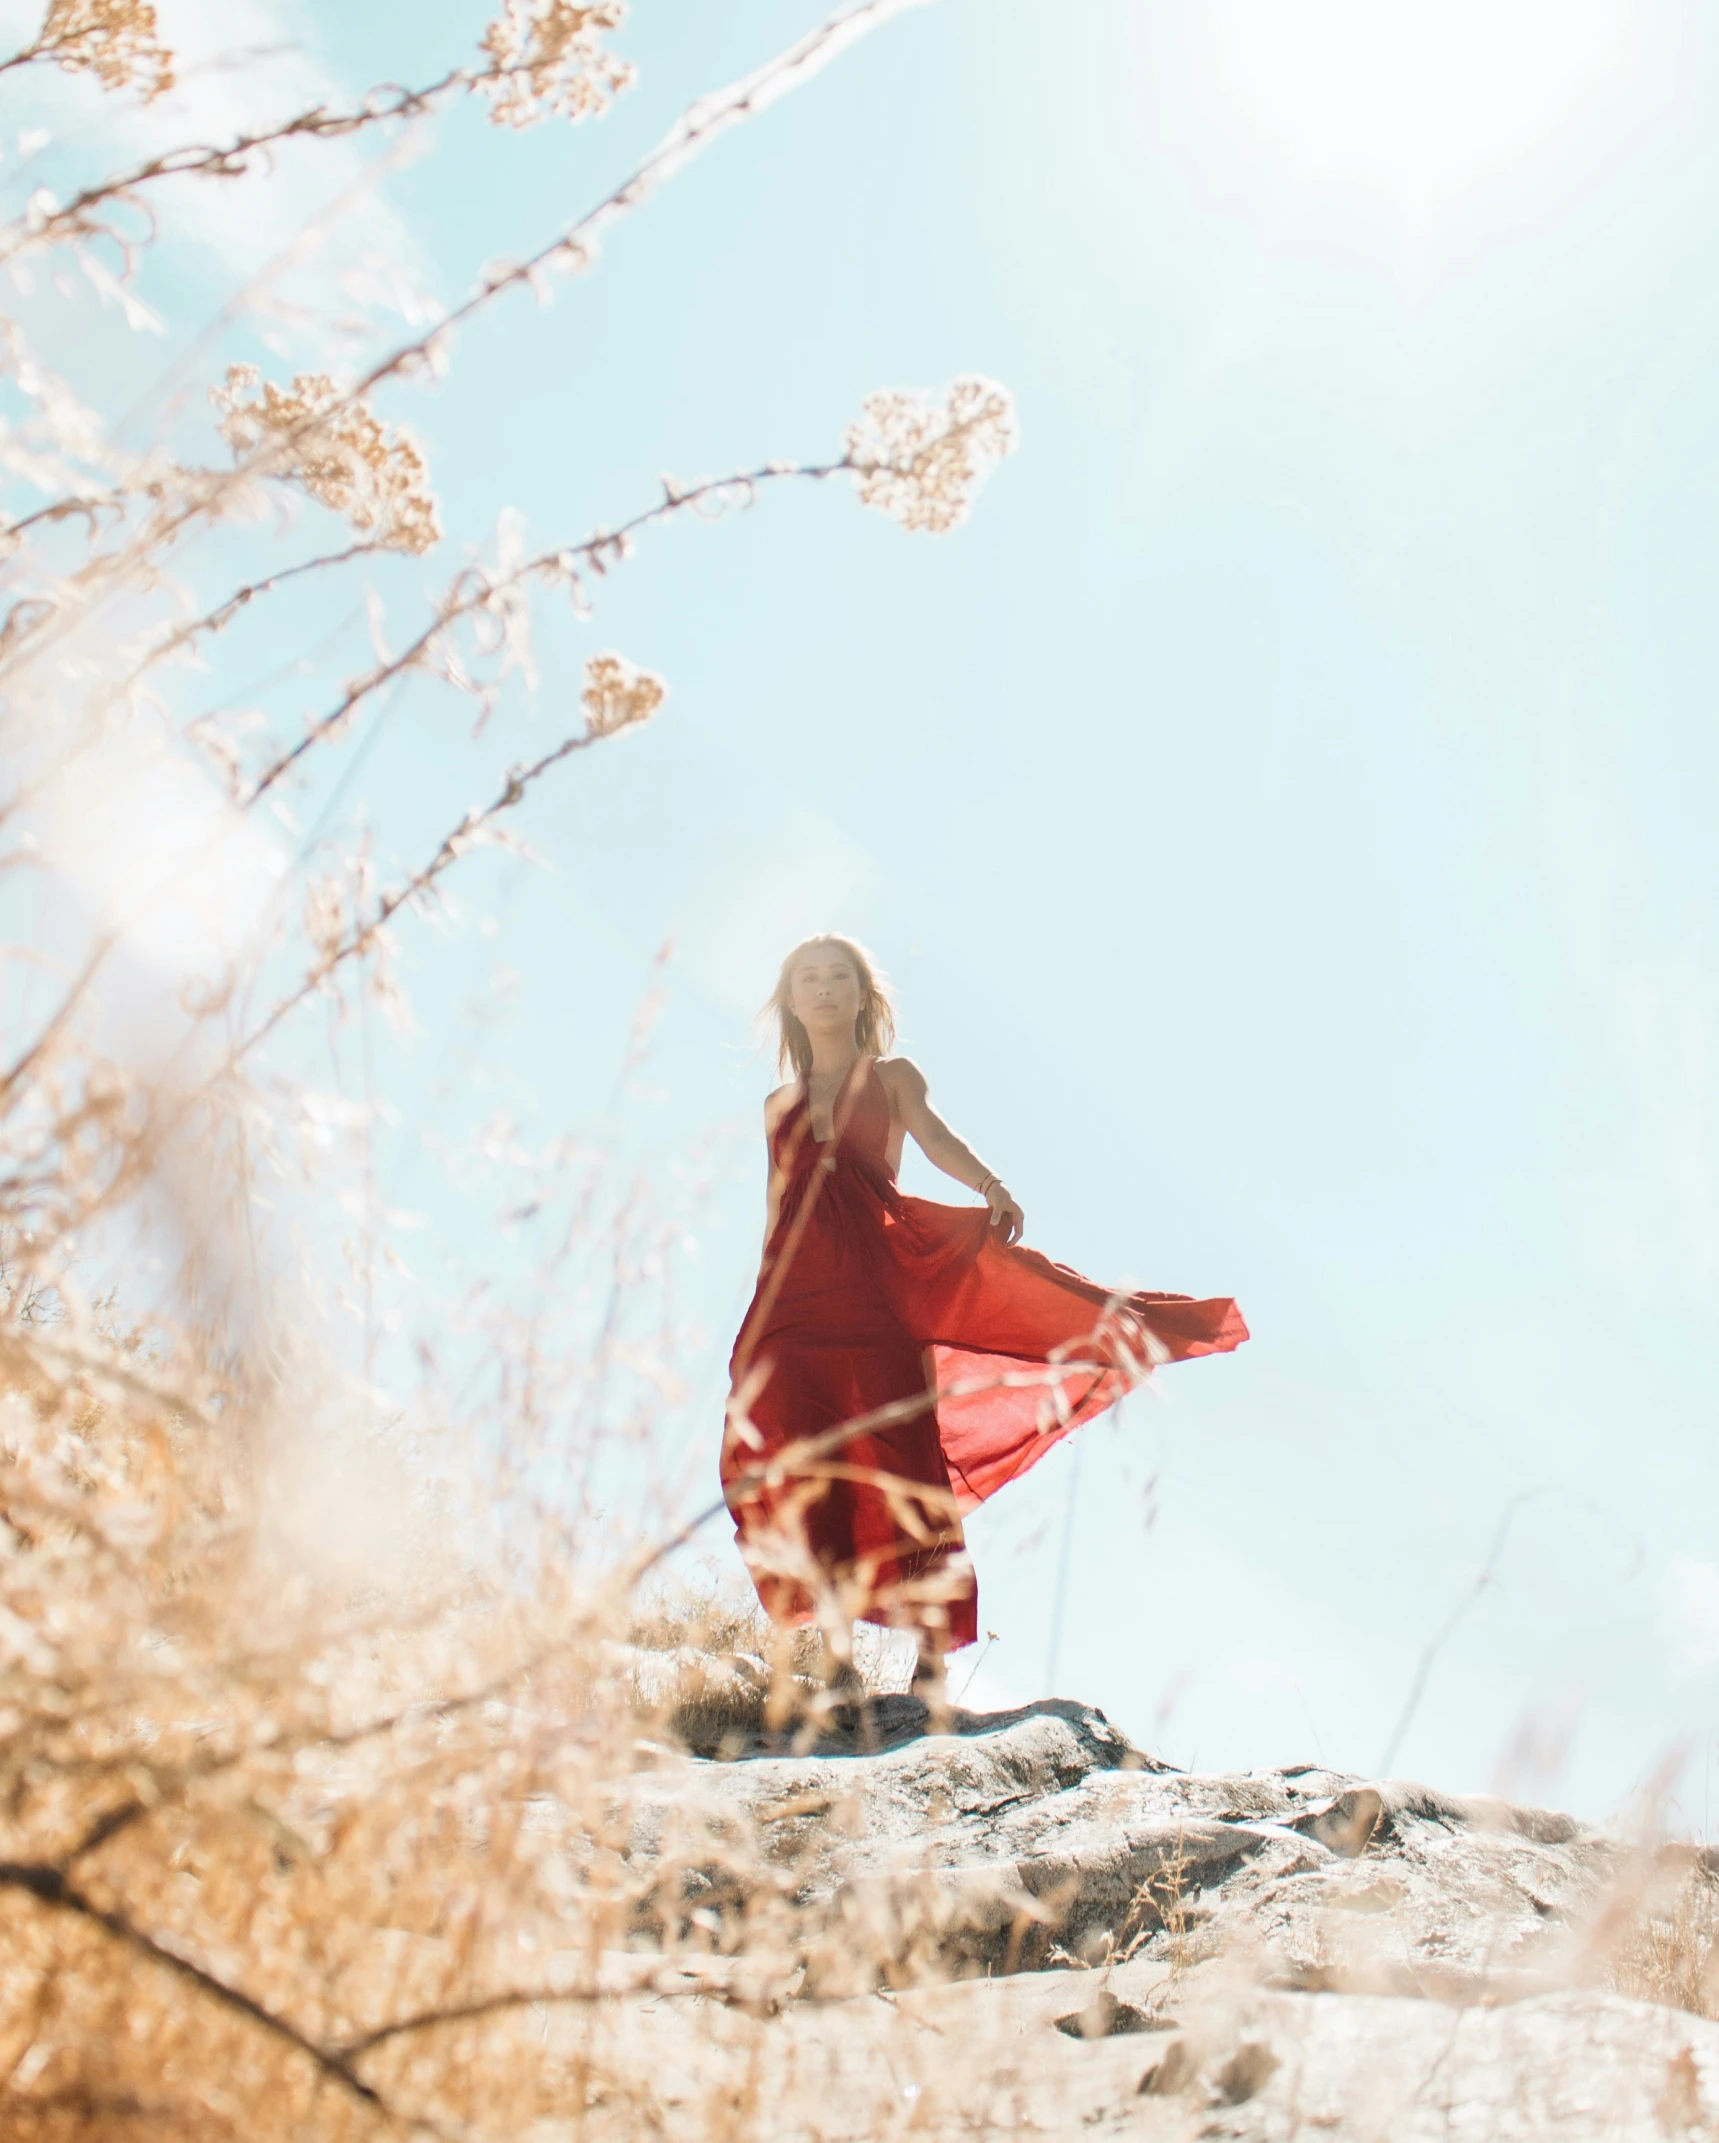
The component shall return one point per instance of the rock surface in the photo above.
(1137, 1949)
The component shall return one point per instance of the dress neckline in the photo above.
(805, 1099)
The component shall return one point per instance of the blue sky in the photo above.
(1285, 809)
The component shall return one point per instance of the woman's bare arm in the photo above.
(944, 1148)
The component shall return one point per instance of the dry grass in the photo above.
(1661, 1936)
(718, 1679)
(279, 1865)
(276, 1865)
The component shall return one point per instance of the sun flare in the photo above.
(1415, 100)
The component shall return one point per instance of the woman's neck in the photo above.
(833, 1059)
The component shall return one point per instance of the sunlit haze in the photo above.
(1413, 99)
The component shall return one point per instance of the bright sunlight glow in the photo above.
(1417, 99)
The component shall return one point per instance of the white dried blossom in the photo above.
(617, 694)
(922, 464)
(338, 450)
(548, 58)
(115, 40)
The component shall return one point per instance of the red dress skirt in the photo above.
(897, 1366)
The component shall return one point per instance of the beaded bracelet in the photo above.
(991, 1180)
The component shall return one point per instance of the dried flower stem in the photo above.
(357, 942)
(690, 136)
(224, 613)
(73, 220)
(387, 104)
(22, 1066)
(57, 510)
(696, 129)
(598, 552)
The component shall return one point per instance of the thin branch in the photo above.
(50, 1033)
(1483, 1580)
(49, 1884)
(452, 847)
(466, 2013)
(223, 614)
(106, 1827)
(645, 1978)
(572, 246)
(61, 510)
(388, 102)
(687, 139)
(232, 160)
(165, 2117)
(213, 621)
(31, 56)
(112, 1372)
(598, 551)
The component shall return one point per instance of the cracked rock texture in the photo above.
(1023, 1925)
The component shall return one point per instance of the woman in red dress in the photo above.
(900, 1360)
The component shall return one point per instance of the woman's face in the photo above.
(824, 992)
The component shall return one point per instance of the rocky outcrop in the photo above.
(1116, 1944)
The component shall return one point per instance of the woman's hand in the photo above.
(1006, 1215)
(910, 1106)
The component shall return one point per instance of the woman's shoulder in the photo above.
(778, 1103)
(902, 1078)
(899, 1071)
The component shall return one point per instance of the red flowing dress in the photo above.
(963, 1361)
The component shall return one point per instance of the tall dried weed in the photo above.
(298, 1841)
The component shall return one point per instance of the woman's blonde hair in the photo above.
(874, 1029)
